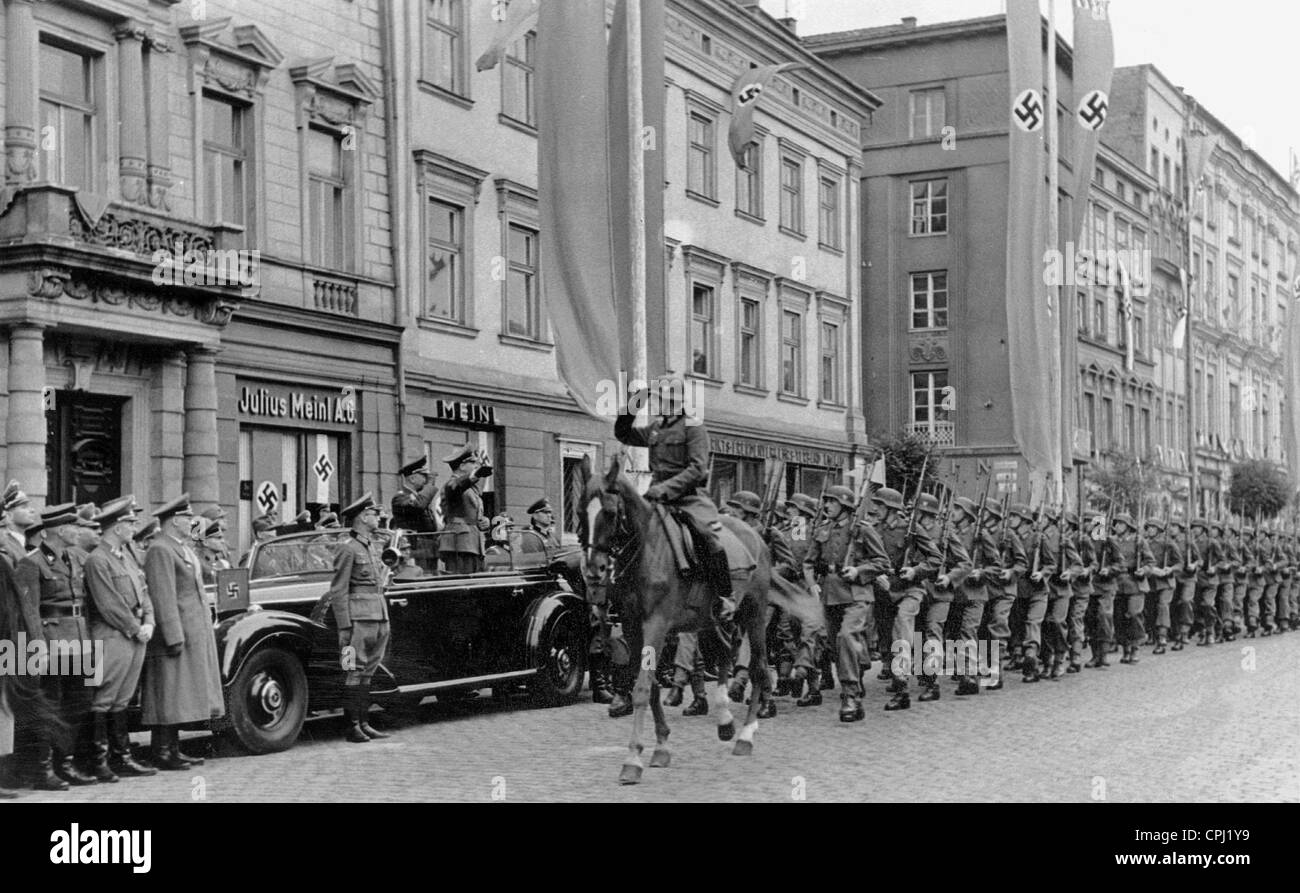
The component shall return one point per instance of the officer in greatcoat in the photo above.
(121, 617)
(460, 544)
(182, 678)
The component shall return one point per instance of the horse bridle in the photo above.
(620, 557)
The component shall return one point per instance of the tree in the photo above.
(904, 453)
(1258, 487)
(1126, 480)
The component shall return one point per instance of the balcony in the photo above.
(334, 294)
(939, 434)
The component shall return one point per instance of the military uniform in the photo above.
(973, 596)
(1012, 563)
(1232, 565)
(1135, 564)
(1254, 560)
(1207, 580)
(1065, 566)
(1033, 596)
(1268, 611)
(1080, 593)
(955, 563)
(1167, 557)
(460, 545)
(51, 581)
(1101, 612)
(918, 553)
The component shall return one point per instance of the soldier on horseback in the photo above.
(679, 467)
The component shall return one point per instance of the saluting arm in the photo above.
(627, 431)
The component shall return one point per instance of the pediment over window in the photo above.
(237, 60)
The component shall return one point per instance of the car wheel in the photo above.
(268, 701)
(563, 660)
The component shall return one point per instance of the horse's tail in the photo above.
(797, 602)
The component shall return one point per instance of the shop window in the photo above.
(288, 471)
(732, 475)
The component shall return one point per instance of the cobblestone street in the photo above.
(1197, 726)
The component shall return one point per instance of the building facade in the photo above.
(759, 306)
(195, 252)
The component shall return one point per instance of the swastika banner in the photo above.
(1094, 66)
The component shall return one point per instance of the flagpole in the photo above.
(1192, 497)
(1054, 239)
(637, 210)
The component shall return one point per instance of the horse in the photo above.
(628, 551)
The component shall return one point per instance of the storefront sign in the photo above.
(465, 412)
(757, 449)
(276, 402)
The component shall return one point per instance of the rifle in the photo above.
(859, 517)
(979, 521)
(1107, 545)
(906, 554)
(945, 508)
(771, 492)
(1038, 539)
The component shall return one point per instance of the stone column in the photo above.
(201, 427)
(131, 93)
(160, 164)
(167, 430)
(20, 94)
(25, 426)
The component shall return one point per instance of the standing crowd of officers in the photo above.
(117, 599)
(1055, 593)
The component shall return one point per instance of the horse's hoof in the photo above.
(743, 748)
(630, 774)
(727, 732)
(660, 759)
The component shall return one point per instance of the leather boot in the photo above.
(783, 670)
(827, 677)
(1098, 656)
(1029, 666)
(65, 767)
(851, 709)
(168, 756)
(43, 776)
(720, 579)
(797, 683)
(120, 760)
(363, 714)
(674, 698)
(1162, 641)
(601, 693)
(99, 748)
(929, 689)
(900, 701)
(813, 696)
(699, 706)
(766, 707)
(1002, 669)
(968, 685)
(352, 714)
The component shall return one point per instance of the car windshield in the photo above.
(299, 555)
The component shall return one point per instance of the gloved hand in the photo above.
(175, 650)
(849, 574)
(655, 493)
(483, 471)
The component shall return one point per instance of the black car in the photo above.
(521, 622)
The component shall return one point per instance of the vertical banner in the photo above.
(1033, 333)
(1291, 416)
(574, 189)
(651, 144)
(1094, 65)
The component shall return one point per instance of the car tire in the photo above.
(562, 661)
(268, 701)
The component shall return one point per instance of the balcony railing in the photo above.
(940, 434)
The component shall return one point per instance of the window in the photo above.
(830, 363)
(444, 290)
(929, 207)
(1099, 330)
(1098, 229)
(1164, 168)
(1108, 421)
(1211, 410)
(928, 414)
(444, 45)
(700, 164)
(702, 305)
(328, 232)
(1144, 434)
(1234, 222)
(929, 113)
(1120, 190)
(791, 352)
(1130, 446)
(828, 201)
(1234, 299)
(1099, 176)
(1090, 419)
(749, 181)
(1155, 162)
(792, 195)
(68, 109)
(750, 342)
(517, 81)
(1121, 233)
(1234, 410)
(1139, 335)
(1121, 327)
(523, 315)
(930, 300)
(225, 161)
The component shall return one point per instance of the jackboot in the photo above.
(363, 714)
(968, 685)
(766, 708)
(929, 689)
(601, 692)
(674, 698)
(813, 696)
(1029, 665)
(168, 756)
(66, 769)
(1162, 641)
(736, 691)
(827, 675)
(119, 745)
(1058, 668)
(797, 680)
(1002, 668)
(352, 713)
(900, 701)
(1098, 656)
(43, 777)
(621, 705)
(851, 709)
(699, 706)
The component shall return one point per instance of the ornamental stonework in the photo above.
(53, 283)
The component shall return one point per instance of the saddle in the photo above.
(686, 551)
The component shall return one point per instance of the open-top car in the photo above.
(522, 621)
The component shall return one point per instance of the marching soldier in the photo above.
(1288, 571)
(461, 544)
(972, 598)
(791, 540)
(1012, 564)
(541, 520)
(842, 579)
(1167, 558)
(1268, 611)
(1033, 587)
(1253, 556)
(121, 616)
(1232, 563)
(182, 678)
(1135, 564)
(910, 560)
(748, 507)
(360, 613)
(1080, 590)
(1065, 566)
(1207, 579)
(19, 514)
(51, 581)
(1184, 609)
(1101, 612)
(953, 569)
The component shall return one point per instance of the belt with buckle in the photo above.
(61, 611)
